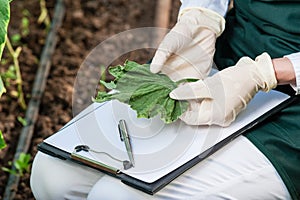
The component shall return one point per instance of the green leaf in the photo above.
(145, 92)
(2, 88)
(5, 169)
(2, 141)
(111, 85)
(15, 38)
(22, 164)
(22, 120)
(4, 19)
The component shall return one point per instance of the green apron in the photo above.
(272, 26)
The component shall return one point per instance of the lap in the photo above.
(53, 178)
(234, 172)
(238, 171)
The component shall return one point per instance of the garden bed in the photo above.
(85, 25)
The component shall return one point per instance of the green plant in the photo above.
(15, 56)
(25, 23)
(9, 75)
(22, 120)
(2, 141)
(44, 17)
(4, 20)
(16, 39)
(22, 165)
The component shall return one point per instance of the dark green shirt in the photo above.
(272, 26)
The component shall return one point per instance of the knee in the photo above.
(47, 177)
(52, 178)
(108, 188)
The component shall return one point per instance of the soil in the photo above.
(85, 25)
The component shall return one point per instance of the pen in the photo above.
(126, 139)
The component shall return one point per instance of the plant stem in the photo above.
(15, 55)
(44, 17)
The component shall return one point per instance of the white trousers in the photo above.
(237, 171)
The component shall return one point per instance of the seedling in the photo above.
(22, 120)
(25, 23)
(15, 55)
(16, 39)
(9, 75)
(44, 17)
(22, 165)
(2, 141)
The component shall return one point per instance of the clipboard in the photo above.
(162, 152)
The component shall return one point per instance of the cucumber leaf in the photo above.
(145, 92)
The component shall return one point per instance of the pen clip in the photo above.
(120, 132)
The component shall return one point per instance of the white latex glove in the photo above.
(220, 98)
(187, 50)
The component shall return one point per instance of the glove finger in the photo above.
(188, 64)
(195, 90)
(198, 113)
(159, 60)
(177, 68)
(178, 38)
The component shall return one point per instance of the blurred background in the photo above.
(84, 24)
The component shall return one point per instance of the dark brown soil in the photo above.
(85, 25)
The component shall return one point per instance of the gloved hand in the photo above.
(220, 98)
(187, 50)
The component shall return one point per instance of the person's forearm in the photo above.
(284, 71)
